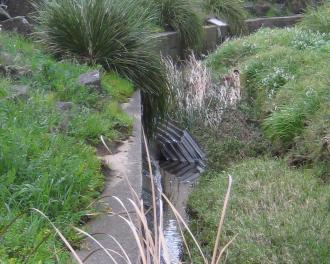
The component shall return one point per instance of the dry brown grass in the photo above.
(195, 97)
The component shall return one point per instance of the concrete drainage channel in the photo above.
(177, 162)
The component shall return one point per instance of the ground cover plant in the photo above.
(276, 148)
(279, 215)
(47, 155)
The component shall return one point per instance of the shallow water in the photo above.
(177, 191)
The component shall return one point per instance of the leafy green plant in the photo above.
(308, 39)
(110, 33)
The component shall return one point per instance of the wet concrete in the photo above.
(177, 191)
(125, 163)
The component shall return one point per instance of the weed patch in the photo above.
(46, 159)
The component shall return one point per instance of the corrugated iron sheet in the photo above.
(181, 153)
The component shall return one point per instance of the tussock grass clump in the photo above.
(195, 98)
(230, 10)
(179, 15)
(289, 121)
(113, 34)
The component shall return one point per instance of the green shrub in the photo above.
(279, 215)
(110, 33)
(317, 19)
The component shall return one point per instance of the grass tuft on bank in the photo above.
(47, 155)
(280, 215)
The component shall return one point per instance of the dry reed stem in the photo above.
(222, 218)
(60, 235)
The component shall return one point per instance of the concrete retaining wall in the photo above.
(170, 45)
(120, 167)
(281, 22)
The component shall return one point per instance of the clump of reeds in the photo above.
(196, 98)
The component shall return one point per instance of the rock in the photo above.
(20, 7)
(6, 58)
(66, 115)
(64, 106)
(19, 93)
(91, 79)
(17, 24)
(3, 14)
(325, 149)
(298, 160)
(15, 72)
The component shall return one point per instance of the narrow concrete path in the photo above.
(127, 161)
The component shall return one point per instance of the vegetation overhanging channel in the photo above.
(259, 106)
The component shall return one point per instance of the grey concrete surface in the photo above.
(170, 44)
(126, 162)
(272, 22)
